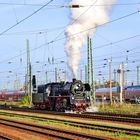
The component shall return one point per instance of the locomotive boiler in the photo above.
(61, 96)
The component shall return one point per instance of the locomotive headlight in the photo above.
(88, 97)
(72, 97)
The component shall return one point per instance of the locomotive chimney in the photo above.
(34, 82)
(73, 80)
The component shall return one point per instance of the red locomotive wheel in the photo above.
(42, 106)
(58, 105)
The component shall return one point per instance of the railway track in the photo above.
(3, 137)
(79, 124)
(118, 118)
(98, 116)
(48, 131)
(115, 114)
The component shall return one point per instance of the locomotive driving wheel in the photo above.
(58, 105)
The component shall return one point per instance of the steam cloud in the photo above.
(85, 17)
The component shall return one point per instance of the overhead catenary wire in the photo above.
(84, 51)
(100, 67)
(115, 42)
(105, 45)
(39, 31)
(97, 26)
(56, 40)
(96, 66)
(67, 6)
(136, 60)
(111, 43)
(76, 18)
(11, 27)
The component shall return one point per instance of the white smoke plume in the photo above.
(85, 17)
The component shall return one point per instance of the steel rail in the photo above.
(44, 130)
(81, 124)
(114, 114)
(3, 137)
(118, 118)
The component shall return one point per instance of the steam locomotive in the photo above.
(61, 96)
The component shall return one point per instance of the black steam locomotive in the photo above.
(61, 96)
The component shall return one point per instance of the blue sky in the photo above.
(47, 24)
